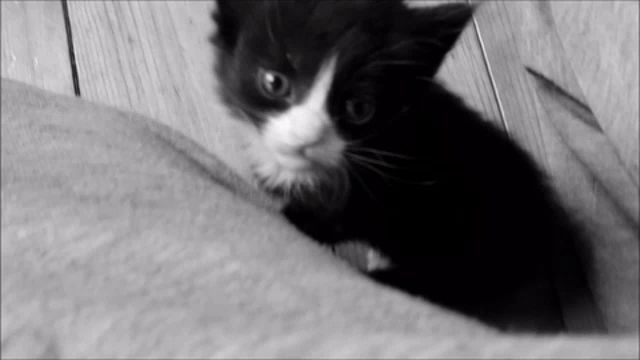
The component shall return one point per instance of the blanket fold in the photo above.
(122, 238)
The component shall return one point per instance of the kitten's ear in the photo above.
(228, 16)
(441, 26)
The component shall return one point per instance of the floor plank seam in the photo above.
(72, 53)
(494, 86)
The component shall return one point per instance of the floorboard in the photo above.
(464, 70)
(34, 45)
(523, 35)
(154, 58)
(601, 40)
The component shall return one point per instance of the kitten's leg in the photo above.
(312, 224)
(361, 255)
(356, 252)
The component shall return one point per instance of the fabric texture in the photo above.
(122, 238)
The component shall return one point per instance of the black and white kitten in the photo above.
(363, 143)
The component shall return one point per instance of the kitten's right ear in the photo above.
(228, 16)
(441, 25)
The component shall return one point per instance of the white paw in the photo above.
(361, 255)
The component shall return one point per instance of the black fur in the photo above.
(463, 213)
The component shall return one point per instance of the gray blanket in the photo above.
(121, 238)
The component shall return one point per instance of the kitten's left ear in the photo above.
(229, 17)
(441, 26)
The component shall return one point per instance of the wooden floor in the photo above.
(578, 116)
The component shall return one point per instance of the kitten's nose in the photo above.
(310, 148)
(324, 149)
(311, 140)
(316, 142)
(310, 151)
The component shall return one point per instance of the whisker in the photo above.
(361, 140)
(374, 161)
(375, 170)
(384, 153)
(369, 167)
(372, 167)
(359, 179)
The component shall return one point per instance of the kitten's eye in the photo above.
(273, 84)
(359, 111)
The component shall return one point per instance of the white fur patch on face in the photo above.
(301, 138)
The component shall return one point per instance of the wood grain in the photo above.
(516, 35)
(34, 45)
(154, 58)
(464, 70)
(601, 40)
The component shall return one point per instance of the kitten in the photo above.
(362, 143)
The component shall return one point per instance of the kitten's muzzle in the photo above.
(293, 159)
(323, 152)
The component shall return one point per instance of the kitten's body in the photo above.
(463, 214)
(470, 231)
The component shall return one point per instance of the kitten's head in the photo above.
(320, 77)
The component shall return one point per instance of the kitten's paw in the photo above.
(362, 256)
